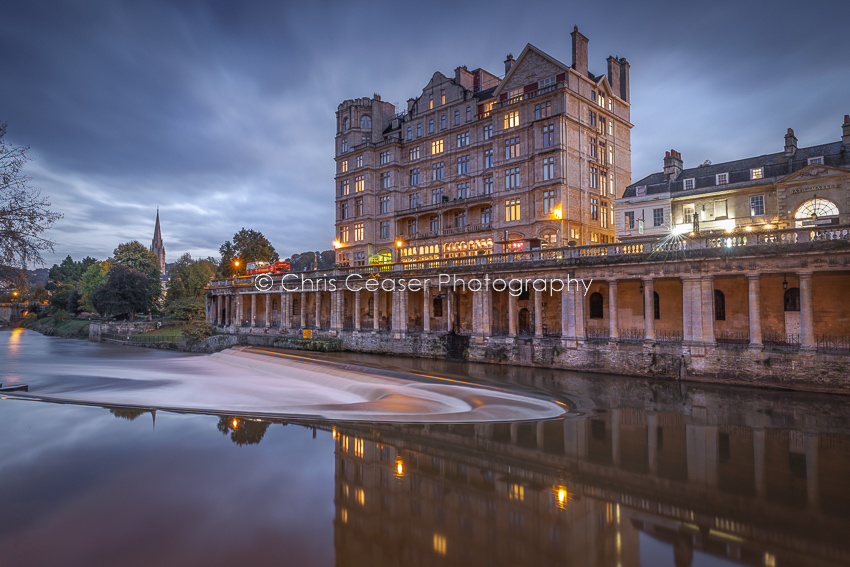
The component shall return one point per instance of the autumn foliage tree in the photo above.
(247, 246)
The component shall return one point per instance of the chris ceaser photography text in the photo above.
(358, 282)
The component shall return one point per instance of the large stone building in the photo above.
(794, 188)
(478, 165)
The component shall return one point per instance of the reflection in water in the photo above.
(243, 431)
(14, 341)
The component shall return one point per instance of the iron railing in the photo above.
(631, 335)
(732, 338)
(596, 334)
(832, 343)
(783, 341)
(664, 336)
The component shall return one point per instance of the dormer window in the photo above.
(757, 173)
(816, 160)
(689, 184)
(722, 179)
(443, 96)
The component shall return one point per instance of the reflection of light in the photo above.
(358, 447)
(15, 340)
(343, 515)
(769, 559)
(440, 544)
(516, 492)
(235, 424)
(399, 467)
(360, 496)
(768, 226)
(562, 496)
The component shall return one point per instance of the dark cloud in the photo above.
(222, 113)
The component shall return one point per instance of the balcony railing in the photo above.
(529, 95)
(447, 204)
(631, 335)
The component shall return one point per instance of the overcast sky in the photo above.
(222, 113)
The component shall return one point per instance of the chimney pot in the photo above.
(509, 62)
(672, 164)
(845, 131)
(790, 144)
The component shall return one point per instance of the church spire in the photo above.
(157, 245)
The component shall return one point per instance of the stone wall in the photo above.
(120, 328)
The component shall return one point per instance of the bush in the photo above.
(186, 309)
(61, 315)
(197, 331)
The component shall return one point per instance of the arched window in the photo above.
(366, 123)
(596, 305)
(816, 208)
(345, 124)
(371, 307)
(437, 310)
(792, 299)
(719, 305)
(656, 307)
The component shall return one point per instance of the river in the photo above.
(639, 472)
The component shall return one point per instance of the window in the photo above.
(414, 153)
(443, 122)
(594, 177)
(548, 168)
(345, 188)
(548, 82)
(574, 233)
(488, 185)
(512, 212)
(414, 176)
(385, 229)
(591, 147)
(722, 179)
(757, 205)
(385, 157)
(602, 123)
(460, 219)
(720, 209)
(344, 144)
(687, 213)
(611, 154)
(345, 124)
(468, 113)
(442, 96)
(457, 117)
(597, 306)
(411, 227)
(594, 209)
(435, 223)
(815, 160)
(463, 139)
(591, 118)
(657, 217)
(359, 161)
(430, 102)
(366, 123)
(409, 133)
(343, 234)
(548, 202)
(689, 184)
(431, 126)
(486, 215)
(343, 210)
(488, 132)
(512, 178)
(656, 305)
(463, 190)
(512, 119)
(385, 204)
(488, 158)
(603, 216)
(816, 208)
(358, 207)
(437, 171)
(436, 196)
(548, 135)
(757, 173)
(419, 130)
(385, 180)
(462, 165)
(610, 127)
(719, 305)
(601, 100)
(359, 184)
(413, 200)
(603, 152)
(511, 148)
(630, 220)
(436, 147)
(792, 299)
(543, 110)
(343, 166)
(603, 187)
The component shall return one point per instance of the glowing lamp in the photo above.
(399, 243)
(558, 213)
(337, 244)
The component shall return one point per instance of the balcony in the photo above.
(448, 204)
(529, 95)
(452, 230)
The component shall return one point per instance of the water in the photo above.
(642, 473)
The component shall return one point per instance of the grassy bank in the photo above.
(58, 327)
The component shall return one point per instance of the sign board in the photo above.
(307, 333)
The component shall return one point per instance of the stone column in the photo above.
(303, 310)
(426, 307)
(753, 286)
(568, 322)
(692, 310)
(400, 311)
(652, 441)
(227, 309)
(486, 328)
(807, 320)
(707, 284)
(648, 310)
(575, 437)
(613, 315)
(578, 310)
(318, 310)
(337, 310)
(268, 299)
(450, 309)
(810, 442)
(284, 310)
(512, 315)
(376, 312)
(253, 309)
(538, 313)
(357, 308)
(216, 311)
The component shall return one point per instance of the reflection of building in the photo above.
(789, 189)
(703, 477)
(535, 157)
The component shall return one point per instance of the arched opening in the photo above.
(656, 305)
(792, 299)
(816, 208)
(437, 306)
(597, 303)
(371, 307)
(524, 321)
(719, 305)
(345, 124)
(366, 123)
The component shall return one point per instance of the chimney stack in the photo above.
(672, 164)
(845, 131)
(464, 78)
(624, 79)
(509, 62)
(614, 74)
(579, 51)
(790, 144)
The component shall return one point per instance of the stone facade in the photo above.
(477, 165)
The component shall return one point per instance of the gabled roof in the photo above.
(522, 56)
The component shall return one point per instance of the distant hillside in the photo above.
(37, 277)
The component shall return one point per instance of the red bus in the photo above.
(255, 268)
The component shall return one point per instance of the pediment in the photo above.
(531, 66)
(814, 171)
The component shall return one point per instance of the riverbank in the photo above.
(57, 327)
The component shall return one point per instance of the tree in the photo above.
(135, 256)
(242, 431)
(126, 291)
(188, 278)
(24, 214)
(69, 272)
(247, 246)
(94, 277)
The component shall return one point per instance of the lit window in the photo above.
(630, 220)
(512, 210)
(757, 173)
(516, 491)
(359, 184)
(436, 147)
(442, 96)
(358, 232)
(345, 187)
(344, 166)
(430, 102)
(757, 205)
(688, 214)
(515, 93)
(511, 148)
(603, 215)
(439, 544)
(343, 234)
(722, 178)
(816, 208)
(512, 119)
